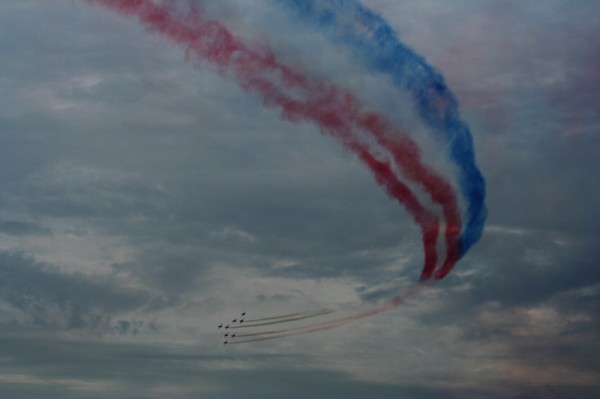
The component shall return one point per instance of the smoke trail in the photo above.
(285, 320)
(262, 333)
(334, 110)
(376, 43)
(245, 341)
(327, 325)
(285, 316)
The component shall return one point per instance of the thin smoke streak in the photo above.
(392, 303)
(254, 340)
(288, 320)
(260, 333)
(282, 316)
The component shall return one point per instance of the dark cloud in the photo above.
(50, 299)
(20, 228)
(533, 266)
(137, 371)
(556, 392)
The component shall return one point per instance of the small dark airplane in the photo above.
(226, 335)
(241, 320)
(243, 313)
(220, 326)
(234, 320)
(225, 343)
(227, 326)
(232, 335)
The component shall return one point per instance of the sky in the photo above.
(147, 196)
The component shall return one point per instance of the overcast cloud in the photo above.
(144, 201)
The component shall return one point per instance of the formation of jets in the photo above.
(226, 327)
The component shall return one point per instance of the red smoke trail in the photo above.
(427, 220)
(405, 153)
(335, 110)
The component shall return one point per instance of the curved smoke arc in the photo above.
(335, 110)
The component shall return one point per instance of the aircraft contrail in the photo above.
(389, 153)
(327, 325)
(262, 333)
(335, 110)
(284, 320)
(285, 316)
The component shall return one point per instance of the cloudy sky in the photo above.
(145, 199)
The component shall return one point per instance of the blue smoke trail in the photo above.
(350, 23)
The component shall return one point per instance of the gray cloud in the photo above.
(71, 368)
(53, 300)
(19, 228)
(145, 200)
